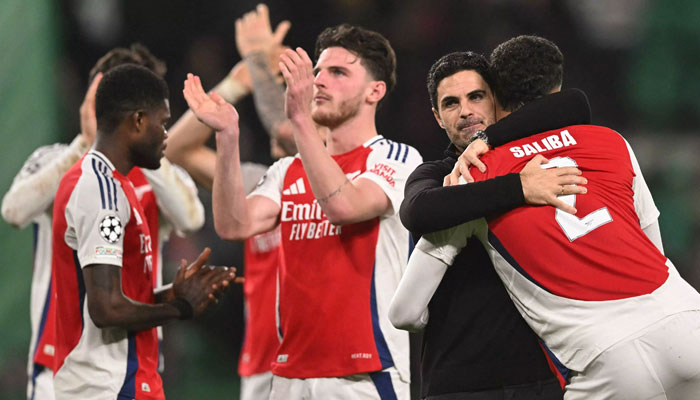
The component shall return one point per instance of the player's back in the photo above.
(587, 281)
(601, 253)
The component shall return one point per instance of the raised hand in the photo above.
(88, 120)
(297, 70)
(254, 34)
(211, 108)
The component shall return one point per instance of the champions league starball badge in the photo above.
(111, 228)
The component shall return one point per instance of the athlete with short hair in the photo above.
(168, 197)
(106, 309)
(475, 344)
(610, 308)
(337, 205)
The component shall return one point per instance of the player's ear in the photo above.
(376, 91)
(139, 119)
(436, 114)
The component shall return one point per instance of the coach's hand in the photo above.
(544, 186)
(469, 157)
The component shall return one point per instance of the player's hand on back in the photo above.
(211, 109)
(469, 157)
(200, 285)
(544, 186)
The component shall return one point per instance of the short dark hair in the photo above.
(525, 68)
(125, 89)
(452, 63)
(135, 54)
(374, 50)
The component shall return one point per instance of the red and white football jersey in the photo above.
(261, 261)
(98, 220)
(336, 282)
(582, 282)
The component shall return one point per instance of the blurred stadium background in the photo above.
(638, 61)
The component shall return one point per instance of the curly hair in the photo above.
(374, 50)
(525, 68)
(125, 89)
(452, 63)
(136, 54)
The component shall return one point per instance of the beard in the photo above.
(147, 154)
(346, 110)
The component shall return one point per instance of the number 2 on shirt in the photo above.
(573, 226)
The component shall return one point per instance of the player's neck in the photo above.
(115, 152)
(350, 134)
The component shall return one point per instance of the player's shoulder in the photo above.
(42, 156)
(394, 151)
(97, 182)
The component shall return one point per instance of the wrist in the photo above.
(479, 135)
(183, 306)
(231, 89)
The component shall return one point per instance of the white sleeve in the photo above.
(176, 196)
(252, 173)
(653, 232)
(94, 230)
(270, 185)
(389, 165)
(643, 202)
(34, 188)
(409, 306)
(446, 244)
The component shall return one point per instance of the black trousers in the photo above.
(541, 390)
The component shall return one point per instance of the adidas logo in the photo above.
(295, 188)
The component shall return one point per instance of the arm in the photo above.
(409, 306)
(35, 185)
(33, 189)
(188, 137)
(644, 204)
(260, 47)
(448, 205)
(235, 217)
(343, 201)
(176, 195)
(110, 308)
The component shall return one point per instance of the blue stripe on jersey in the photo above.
(108, 183)
(44, 313)
(405, 154)
(382, 348)
(128, 389)
(411, 244)
(399, 147)
(114, 191)
(504, 253)
(565, 372)
(391, 149)
(382, 381)
(38, 369)
(81, 288)
(99, 180)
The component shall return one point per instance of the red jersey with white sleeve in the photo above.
(261, 262)
(583, 282)
(98, 220)
(336, 282)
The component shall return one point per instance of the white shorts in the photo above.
(256, 387)
(40, 385)
(380, 385)
(661, 362)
